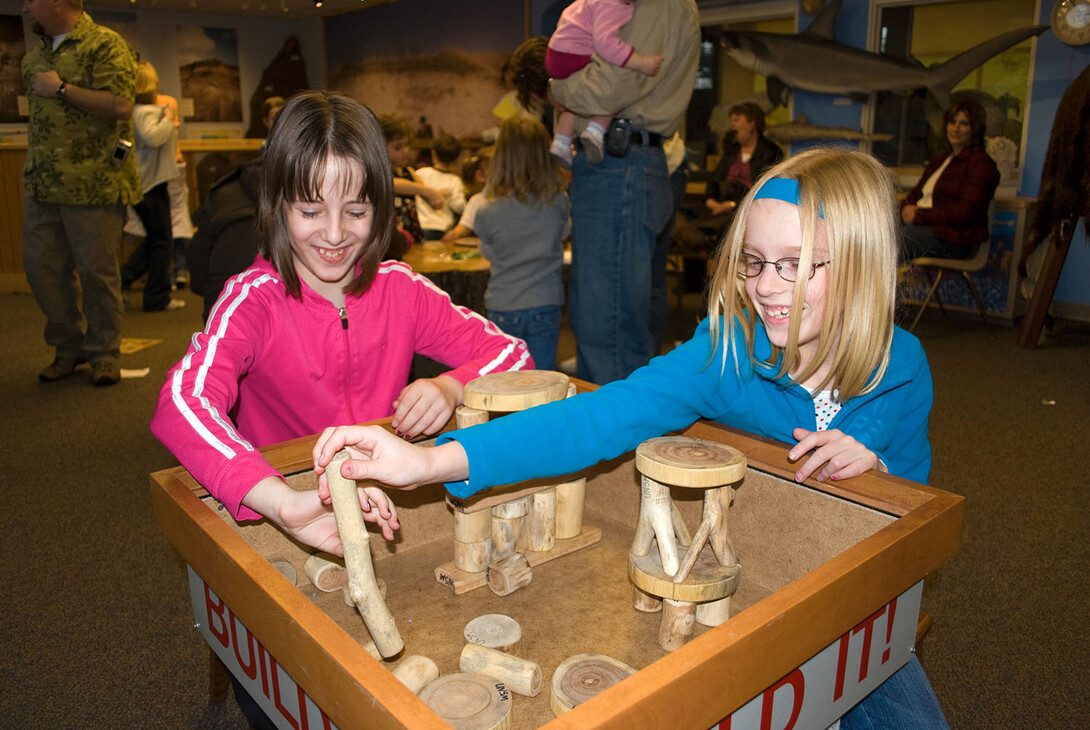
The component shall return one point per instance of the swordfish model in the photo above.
(814, 61)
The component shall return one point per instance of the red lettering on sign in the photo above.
(867, 627)
(889, 630)
(216, 623)
(798, 689)
(841, 667)
(251, 667)
(274, 670)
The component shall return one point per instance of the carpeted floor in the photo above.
(98, 632)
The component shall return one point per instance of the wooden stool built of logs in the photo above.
(498, 543)
(362, 584)
(697, 586)
(581, 677)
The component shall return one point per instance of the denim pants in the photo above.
(905, 701)
(152, 256)
(619, 208)
(538, 326)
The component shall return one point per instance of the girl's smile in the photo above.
(773, 232)
(329, 234)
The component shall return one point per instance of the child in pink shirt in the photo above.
(587, 27)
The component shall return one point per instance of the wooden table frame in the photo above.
(694, 687)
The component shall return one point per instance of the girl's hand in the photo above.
(425, 405)
(908, 214)
(309, 518)
(377, 454)
(836, 455)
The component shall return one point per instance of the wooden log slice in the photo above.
(495, 631)
(681, 461)
(713, 613)
(540, 527)
(472, 557)
(472, 526)
(286, 569)
(469, 702)
(506, 535)
(707, 581)
(512, 509)
(583, 676)
(464, 417)
(515, 390)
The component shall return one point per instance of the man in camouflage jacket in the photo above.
(80, 81)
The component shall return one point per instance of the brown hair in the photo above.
(311, 128)
(527, 69)
(752, 112)
(522, 166)
(978, 121)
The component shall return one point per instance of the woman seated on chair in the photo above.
(946, 214)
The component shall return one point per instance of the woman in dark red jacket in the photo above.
(946, 214)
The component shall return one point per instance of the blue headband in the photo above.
(782, 188)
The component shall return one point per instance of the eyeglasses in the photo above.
(788, 268)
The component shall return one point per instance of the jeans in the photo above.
(905, 700)
(679, 178)
(152, 256)
(619, 208)
(538, 326)
(920, 241)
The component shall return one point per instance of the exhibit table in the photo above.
(826, 605)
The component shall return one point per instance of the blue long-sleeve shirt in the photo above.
(673, 391)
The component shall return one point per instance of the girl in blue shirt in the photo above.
(799, 345)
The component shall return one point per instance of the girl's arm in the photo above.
(155, 126)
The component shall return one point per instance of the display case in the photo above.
(826, 606)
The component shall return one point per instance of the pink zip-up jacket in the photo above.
(593, 26)
(269, 367)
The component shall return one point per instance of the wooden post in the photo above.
(678, 623)
(510, 574)
(541, 521)
(357, 558)
(570, 498)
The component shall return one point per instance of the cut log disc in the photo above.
(682, 461)
(707, 581)
(515, 390)
(583, 676)
(496, 631)
(469, 702)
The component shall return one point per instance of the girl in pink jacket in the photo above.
(317, 330)
(587, 27)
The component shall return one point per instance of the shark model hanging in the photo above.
(814, 61)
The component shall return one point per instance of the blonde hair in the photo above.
(852, 196)
(522, 166)
(147, 83)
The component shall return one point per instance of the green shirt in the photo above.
(70, 152)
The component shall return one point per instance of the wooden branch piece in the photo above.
(286, 569)
(644, 601)
(656, 523)
(510, 574)
(346, 593)
(678, 623)
(713, 613)
(357, 559)
(415, 672)
(473, 526)
(570, 498)
(326, 575)
(540, 527)
(518, 675)
(506, 533)
(515, 390)
(472, 557)
(469, 702)
(583, 676)
(494, 631)
(464, 416)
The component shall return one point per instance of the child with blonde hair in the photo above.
(799, 346)
(522, 227)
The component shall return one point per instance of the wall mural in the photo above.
(208, 66)
(445, 67)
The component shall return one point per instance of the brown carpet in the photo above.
(97, 629)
